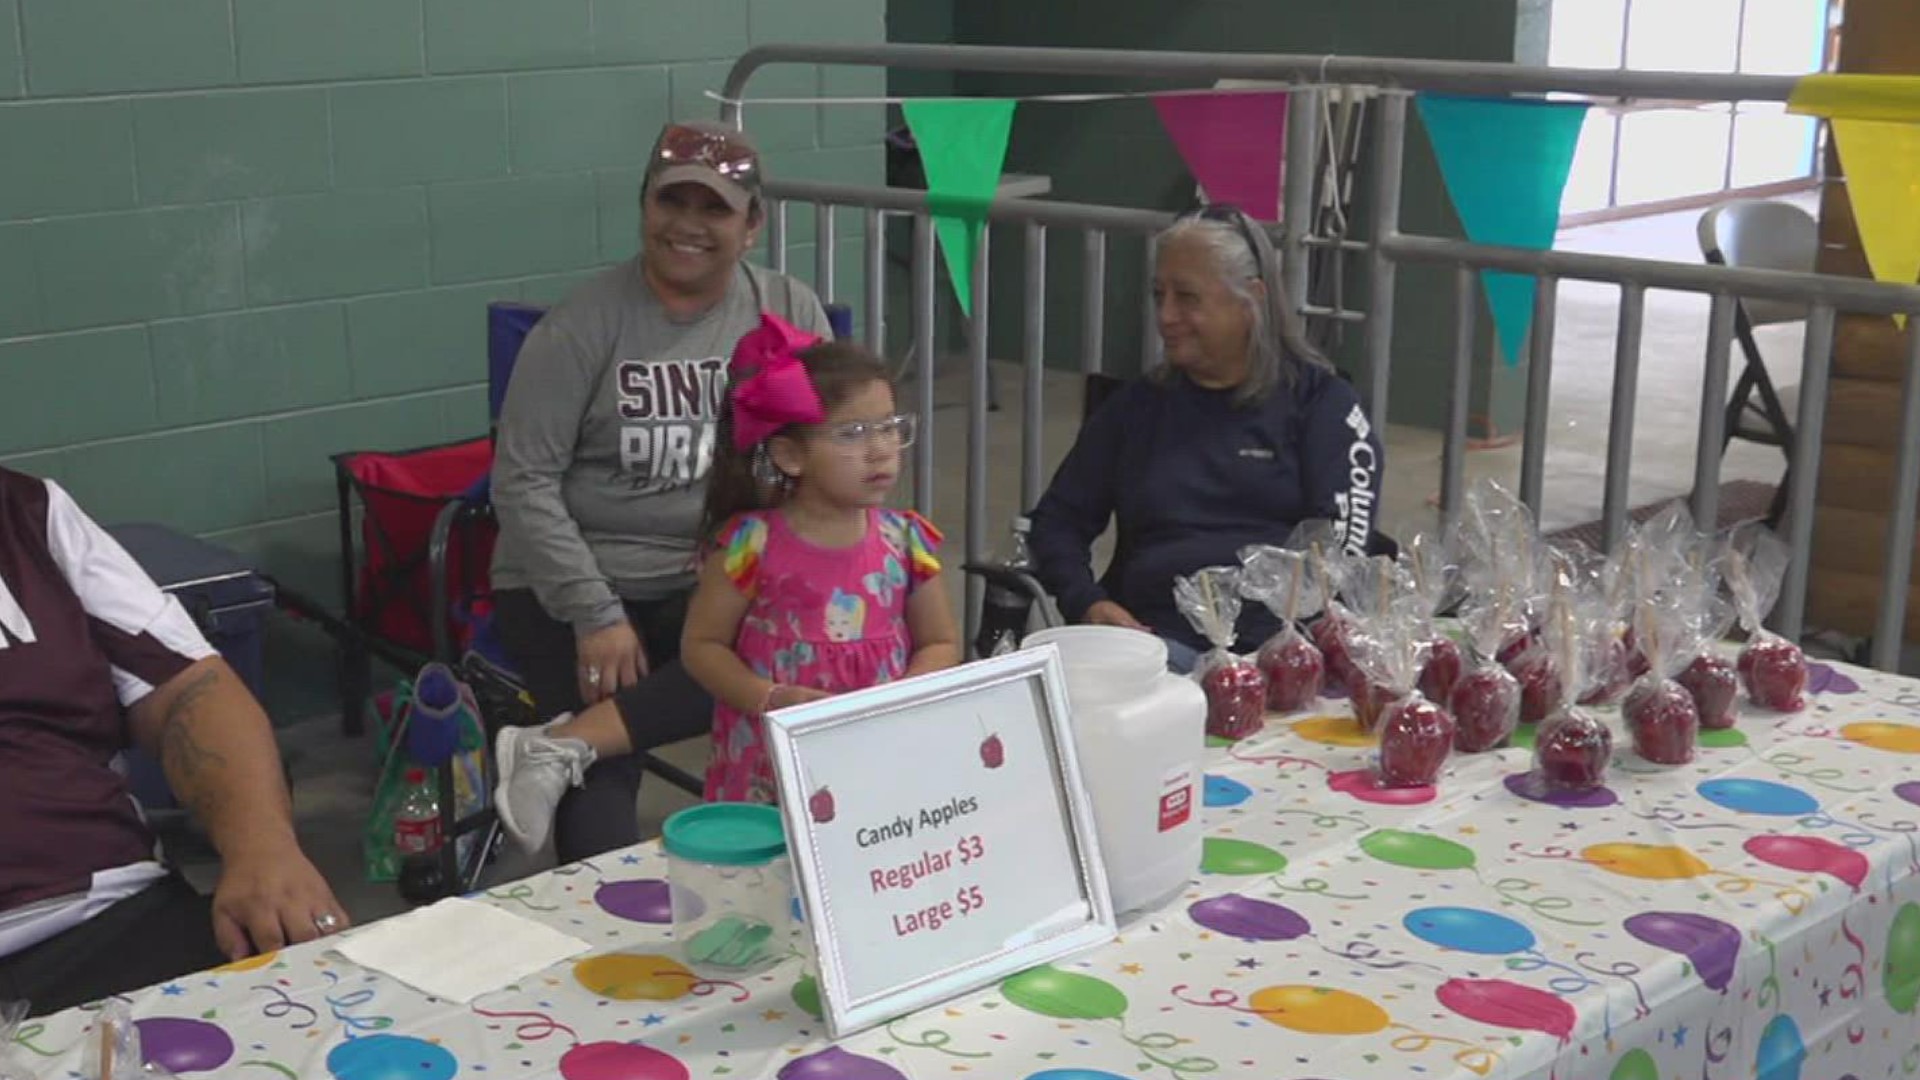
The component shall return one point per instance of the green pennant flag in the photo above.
(963, 144)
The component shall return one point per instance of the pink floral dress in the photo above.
(827, 618)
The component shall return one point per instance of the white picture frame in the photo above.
(876, 900)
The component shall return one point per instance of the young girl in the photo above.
(810, 586)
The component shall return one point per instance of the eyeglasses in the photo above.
(898, 429)
(683, 145)
(1227, 214)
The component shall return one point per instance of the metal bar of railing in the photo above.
(1315, 311)
(923, 271)
(1626, 392)
(1481, 77)
(823, 252)
(977, 392)
(1389, 145)
(1896, 569)
(1790, 615)
(777, 234)
(1150, 346)
(1533, 439)
(1093, 302)
(1033, 353)
(1303, 133)
(876, 284)
(1453, 465)
(1713, 414)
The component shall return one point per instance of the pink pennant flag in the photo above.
(1231, 142)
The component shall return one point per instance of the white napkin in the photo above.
(457, 950)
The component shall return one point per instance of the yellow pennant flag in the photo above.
(1858, 97)
(1882, 162)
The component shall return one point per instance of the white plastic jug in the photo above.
(1139, 732)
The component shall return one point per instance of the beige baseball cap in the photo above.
(717, 157)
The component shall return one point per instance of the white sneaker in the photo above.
(535, 771)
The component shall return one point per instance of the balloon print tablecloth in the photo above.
(1756, 913)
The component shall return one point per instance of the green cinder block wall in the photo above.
(238, 236)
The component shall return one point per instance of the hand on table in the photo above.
(271, 897)
(1108, 613)
(609, 658)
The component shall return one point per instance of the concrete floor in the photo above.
(334, 777)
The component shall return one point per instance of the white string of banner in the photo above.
(1064, 99)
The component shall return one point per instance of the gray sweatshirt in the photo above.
(607, 434)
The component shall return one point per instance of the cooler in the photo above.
(225, 597)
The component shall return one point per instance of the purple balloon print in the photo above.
(1827, 679)
(642, 901)
(1537, 789)
(181, 1045)
(1909, 791)
(1249, 919)
(1709, 944)
(834, 1063)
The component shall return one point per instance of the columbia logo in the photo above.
(1357, 420)
(1259, 453)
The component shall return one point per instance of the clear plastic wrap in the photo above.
(1572, 747)
(13, 1065)
(1485, 701)
(1773, 669)
(1415, 734)
(1293, 666)
(1660, 713)
(1434, 572)
(1236, 690)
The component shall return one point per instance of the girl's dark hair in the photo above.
(838, 370)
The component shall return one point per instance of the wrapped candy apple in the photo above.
(1336, 624)
(1773, 668)
(1380, 595)
(1573, 747)
(1485, 701)
(1436, 581)
(1294, 668)
(1660, 713)
(1415, 734)
(1236, 690)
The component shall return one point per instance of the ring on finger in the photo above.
(326, 922)
(592, 673)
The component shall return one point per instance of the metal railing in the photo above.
(1383, 252)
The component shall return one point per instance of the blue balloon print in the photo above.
(1745, 796)
(1221, 791)
(1076, 1074)
(1469, 930)
(390, 1057)
(1781, 1051)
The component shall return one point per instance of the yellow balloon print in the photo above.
(634, 977)
(1893, 738)
(1652, 861)
(251, 963)
(1332, 731)
(1318, 1010)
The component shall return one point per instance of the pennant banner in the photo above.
(1505, 163)
(1858, 97)
(1882, 163)
(963, 144)
(1232, 144)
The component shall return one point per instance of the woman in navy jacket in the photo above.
(1243, 434)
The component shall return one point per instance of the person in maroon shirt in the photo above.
(93, 657)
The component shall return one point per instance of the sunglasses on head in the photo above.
(1227, 214)
(682, 145)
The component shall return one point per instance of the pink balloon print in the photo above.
(1810, 855)
(619, 1061)
(1509, 1005)
(1362, 784)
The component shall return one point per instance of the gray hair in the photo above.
(1240, 250)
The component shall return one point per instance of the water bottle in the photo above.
(417, 839)
(1003, 615)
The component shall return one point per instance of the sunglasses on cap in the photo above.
(680, 144)
(1227, 214)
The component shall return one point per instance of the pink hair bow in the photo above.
(771, 386)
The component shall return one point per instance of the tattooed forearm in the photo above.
(184, 753)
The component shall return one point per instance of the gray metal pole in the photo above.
(1790, 616)
(1626, 392)
(977, 390)
(876, 282)
(823, 252)
(777, 234)
(1890, 630)
(1033, 353)
(1151, 348)
(1296, 219)
(923, 338)
(1533, 441)
(1093, 302)
(1713, 414)
(1390, 139)
(1453, 452)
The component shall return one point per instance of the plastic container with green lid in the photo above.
(730, 885)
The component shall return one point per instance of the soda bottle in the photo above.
(417, 839)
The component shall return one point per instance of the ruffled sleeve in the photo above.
(742, 543)
(923, 540)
